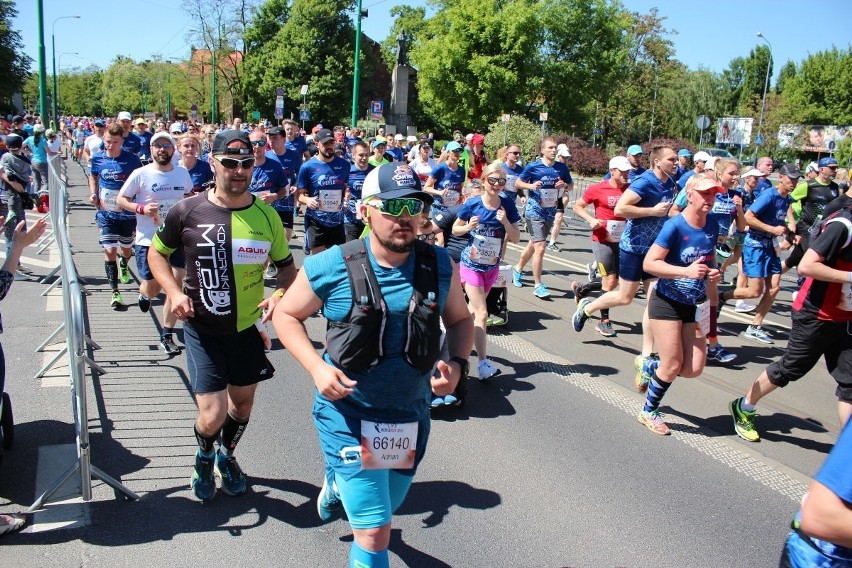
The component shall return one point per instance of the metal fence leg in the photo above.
(52, 362)
(39, 503)
(46, 342)
(50, 274)
(112, 482)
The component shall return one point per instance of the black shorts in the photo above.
(286, 218)
(353, 230)
(662, 308)
(811, 339)
(560, 205)
(322, 236)
(216, 361)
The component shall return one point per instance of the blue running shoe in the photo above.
(233, 478)
(437, 402)
(451, 400)
(541, 291)
(202, 483)
(580, 317)
(329, 505)
(720, 354)
(517, 277)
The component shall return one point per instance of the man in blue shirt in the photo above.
(321, 184)
(144, 136)
(683, 158)
(295, 141)
(632, 154)
(131, 142)
(290, 161)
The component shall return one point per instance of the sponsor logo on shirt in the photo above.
(212, 267)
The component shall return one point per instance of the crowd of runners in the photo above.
(209, 213)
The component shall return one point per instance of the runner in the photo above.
(130, 141)
(322, 182)
(79, 135)
(563, 155)
(144, 139)
(290, 161)
(352, 225)
(699, 161)
(513, 171)
(150, 192)
(446, 182)
(607, 228)
(94, 143)
(373, 388)
(227, 234)
(116, 228)
(199, 170)
(423, 164)
(683, 257)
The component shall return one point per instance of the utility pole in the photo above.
(356, 79)
(42, 67)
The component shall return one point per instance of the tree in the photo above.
(820, 89)
(123, 85)
(688, 95)
(14, 63)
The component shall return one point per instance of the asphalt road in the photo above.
(545, 466)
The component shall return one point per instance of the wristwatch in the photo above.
(463, 364)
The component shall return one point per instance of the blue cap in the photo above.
(826, 162)
(684, 152)
(392, 180)
(635, 149)
(378, 142)
(453, 146)
(99, 122)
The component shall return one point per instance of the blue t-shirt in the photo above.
(200, 174)
(111, 174)
(640, 232)
(686, 244)
(541, 203)
(392, 391)
(485, 243)
(297, 145)
(679, 173)
(512, 175)
(356, 182)
(144, 143)
(131, 144)
(770, 208)
(762, 183)
(39, 150)
(681, 182)
(397, 153)
(268, 177)
(326, 182)
(291, 162)
(724, 211)
(452, 181)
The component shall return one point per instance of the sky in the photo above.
(707, 37)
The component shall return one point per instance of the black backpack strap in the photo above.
(362, 279)
(425, 270)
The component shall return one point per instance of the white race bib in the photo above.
(109, 200)
(548, 196)
(388, 445)
(614, 230)
(163, 208)
(452, 197)
(845, 302)
(330, 200)
(486, 249)
(702, 317)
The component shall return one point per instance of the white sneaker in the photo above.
(486, 370)
(744, 307)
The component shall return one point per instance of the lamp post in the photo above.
(356, 73)
(53, 48)
(765, 85)
(56, 84)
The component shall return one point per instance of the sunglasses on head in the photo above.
(232, 163)
(395, 207)
(496, 181)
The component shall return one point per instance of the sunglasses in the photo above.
(258, 143)
(496, 181)
(395, 207)
(232, 163)
(162, 146)
(514, 153)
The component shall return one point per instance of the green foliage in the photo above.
(14, 63)
(820, 89)
(407, 19)
(123, 86)
(268, 19)
(519, 130)
(843, 152)
(688, 95)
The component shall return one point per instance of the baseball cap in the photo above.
(790, 171)
(38, 128)
(411, 139)
(175, 127)
(275, 131)
(701, 156)
(710, 164)
(324, 135)
(221, 141)
(477, 139)
(161, 135)
(140, 120)
(704, 183)
(17, 118)
(683, 152)
(399, 137)
(469, 137)
(13, 141)
(453, 146)
(812, 167)
(753, 172)
(378, 142)
(99, 122)
(827, 162)
(635, 149)
(124, 115)
(389, 181)
(562, 151)
(620, 163)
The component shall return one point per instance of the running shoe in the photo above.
(576, 287)
(654, 421)
(123, 272)
(486, 370)
(591, 271)
(645, 368)
(25, 269)
(202, 483)
(22, 277)
(117, 300)
(437, 402)
(517, 276)
(271, 271)
(168, 344)
(756, 333)
(144, 303)
(744, 307)
(744, 421)
(580, 316)
(541, 291)
(329, 505)
(233, 478)
(552, 247)
(604, 327)
(494, 320)
(720, 354)
(452, 400)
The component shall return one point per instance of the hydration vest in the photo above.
(357, 342)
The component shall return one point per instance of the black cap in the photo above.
(324, 136)
(13, 141)
(17, 118)
(220, 143)
(790, 171)
(275, 130)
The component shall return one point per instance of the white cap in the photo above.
(411, 139)
(710, 164)
(753, 172)
(175, 127)
(124, 115)
(562, 151)
(701, 157)
(399, 137)
(812, 167)
(469, 137)
(620, 163)
(161, 135)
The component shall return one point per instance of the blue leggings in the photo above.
(372, 495)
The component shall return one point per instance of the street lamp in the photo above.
(356, 73)
(765, 86)
(53, 48)
(56, 85)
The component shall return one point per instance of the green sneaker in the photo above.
(117, 301)
(744, 422)
(124, 272)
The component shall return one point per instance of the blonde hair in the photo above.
(722, 163)
(490, 169)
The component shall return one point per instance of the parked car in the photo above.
(718, 152)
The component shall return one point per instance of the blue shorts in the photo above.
(216, 361)
(176, 260)
(115, 231)
(630, 267)
(760, 262)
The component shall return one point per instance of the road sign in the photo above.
(598, 131)
(304, 114)
(377, 109)
(542, 116)
(194, 112)
(506, 117)
(279, 104)
(702, 122)
(758, 139)
(279, 93)
(255, 115)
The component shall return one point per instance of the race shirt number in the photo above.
(109, 200)
(330, 200)
(614, 230)
(702, 317)
(452, 197)
(163, 208)
(548, 196)
(388, 445)
(486, 249)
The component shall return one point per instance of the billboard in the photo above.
(812, 137)
(733, 130)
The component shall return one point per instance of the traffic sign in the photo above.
(279, 93)
(542, 116)
(506, 117)
(377, 109)
(255, 115)
(758, 139)
(304, 114)
(194, 112)
(279, 104)
(702, 122)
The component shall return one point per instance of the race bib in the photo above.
(614, 230)
(452, 197)
(845, 302)
(510, 183)
(486, 249)
(109, 200)
(164, 207)
(548, 196)
(388, 445)
(330, 200)
(702, 317)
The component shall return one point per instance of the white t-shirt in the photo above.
(149, 185)
(421, 169)
(55, 146)
(93, 144)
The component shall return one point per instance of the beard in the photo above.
(397, 244)
(161, 160)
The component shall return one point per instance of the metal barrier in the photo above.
(73, 298)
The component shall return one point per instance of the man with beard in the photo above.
(227, 235)
(150, 192)
(290, 161)
(374, 381)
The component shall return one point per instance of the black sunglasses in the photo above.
(232, 163)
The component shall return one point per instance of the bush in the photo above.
(519, 130)
(589, 161)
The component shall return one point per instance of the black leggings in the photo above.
(798, 252)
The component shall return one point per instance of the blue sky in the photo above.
(709, 34)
